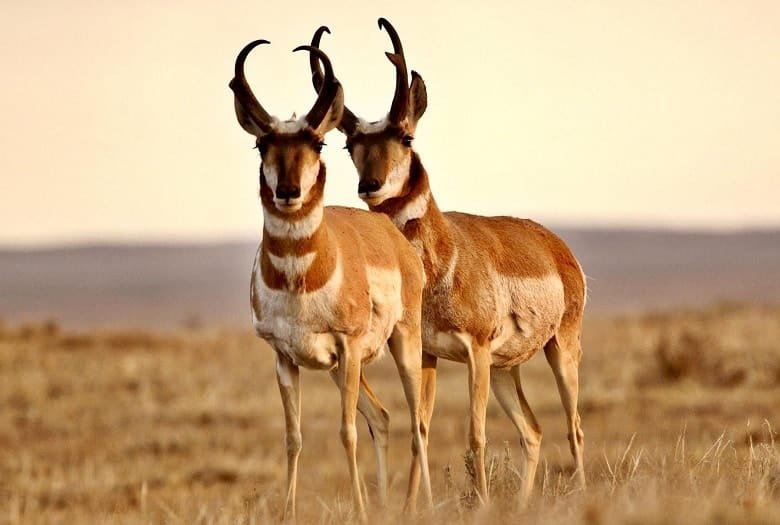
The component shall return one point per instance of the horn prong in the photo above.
(400, 106)
(329, 87)
(348, 119)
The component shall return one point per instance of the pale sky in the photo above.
(117, 122)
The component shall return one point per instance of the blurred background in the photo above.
(644, 133)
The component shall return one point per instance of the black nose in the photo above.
(288, 191)
(368, 185)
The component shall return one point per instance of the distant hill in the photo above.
(164, 285)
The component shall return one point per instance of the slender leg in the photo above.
(428, 398)
(406, 347)
(378, 420)
(479, 381)
(349, 381)
(509, 393)
(563, 355)
(289, 387)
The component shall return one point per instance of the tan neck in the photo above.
(417, 215)
(297, 252)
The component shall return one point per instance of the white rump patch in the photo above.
(300, 229)
(414, 209)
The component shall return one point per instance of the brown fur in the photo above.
(416, 185)
(363, 238)
(336, 285)
(498, 289)
(375, 152)
(515, 288)
(357, 240)
(512, 247)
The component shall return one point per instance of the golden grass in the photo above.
(680, 412)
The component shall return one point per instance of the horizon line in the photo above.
(162, 241)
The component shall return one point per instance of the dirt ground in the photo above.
(680, 412)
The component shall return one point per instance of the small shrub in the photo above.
(691, 354)
(679, 355)
(502, 477)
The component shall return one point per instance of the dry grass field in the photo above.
(680, 412)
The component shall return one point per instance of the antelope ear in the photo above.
(246, 121)
(418, 98)
(335, 112)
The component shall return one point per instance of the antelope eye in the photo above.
(318, 146)
(407, 140)
(261, 146)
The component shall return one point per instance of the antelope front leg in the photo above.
(349, 382)
(406, 348)
(378, 420)
(289, 387)
(479, 388)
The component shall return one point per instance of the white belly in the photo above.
(453, 346)
(527, 312)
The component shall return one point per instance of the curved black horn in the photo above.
(329, 88)
(400, 105)
(394, 38)
(314, 62)
(243, 92)
(348, 119)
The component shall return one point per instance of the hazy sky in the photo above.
(117, 122)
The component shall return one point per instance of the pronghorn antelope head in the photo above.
(289, 150)
(382, 150)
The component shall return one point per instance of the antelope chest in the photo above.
(305, 326)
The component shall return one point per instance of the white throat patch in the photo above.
(292, 266)
(414, 209)
(300, 229)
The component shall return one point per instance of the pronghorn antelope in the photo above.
(498, 288)
(330, 286)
